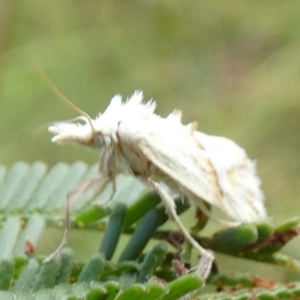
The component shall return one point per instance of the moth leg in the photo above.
(114, 189)
(107, 166)
(93, 183)
(206, 256)
(106, 174)
(108, 200)
(182, 198)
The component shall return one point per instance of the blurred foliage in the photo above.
(232, 66)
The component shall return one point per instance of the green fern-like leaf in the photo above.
(32, 198)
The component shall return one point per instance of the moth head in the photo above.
(83, 133)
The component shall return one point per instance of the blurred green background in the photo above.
(233, 66)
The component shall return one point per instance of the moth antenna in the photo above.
(80, 118)
(193, 126)
(62, 97)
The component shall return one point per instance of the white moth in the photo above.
(156, 149)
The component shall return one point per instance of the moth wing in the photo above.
(176, 153)
(243, 198)
(197, 165)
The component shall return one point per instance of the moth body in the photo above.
(203, 167)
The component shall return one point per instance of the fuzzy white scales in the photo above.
(157, 149)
